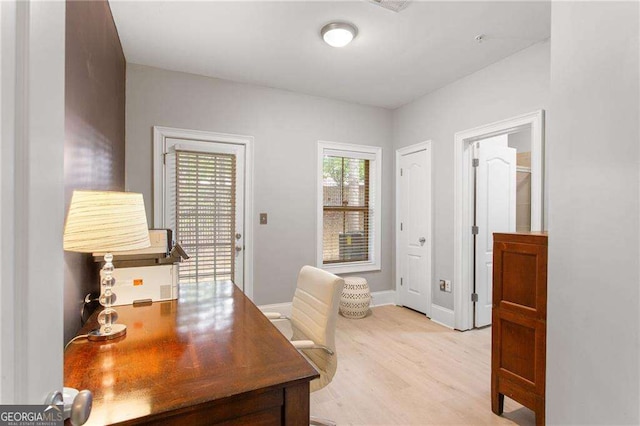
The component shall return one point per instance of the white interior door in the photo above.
(32, 200)
(216, 244)
(415, 230)
(495, 212)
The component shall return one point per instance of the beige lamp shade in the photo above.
(106, 221)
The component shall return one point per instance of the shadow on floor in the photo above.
(521, 416)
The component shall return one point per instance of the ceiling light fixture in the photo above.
(338, 34)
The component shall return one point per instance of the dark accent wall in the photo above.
(94, 128)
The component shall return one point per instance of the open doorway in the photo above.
(499, 180)
(501, 203)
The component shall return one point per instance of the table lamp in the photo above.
(106, 221)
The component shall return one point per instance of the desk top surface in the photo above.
(211, 343)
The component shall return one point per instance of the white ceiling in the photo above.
(396, 57)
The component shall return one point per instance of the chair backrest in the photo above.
(313, 317)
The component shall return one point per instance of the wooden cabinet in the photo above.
(519, 322)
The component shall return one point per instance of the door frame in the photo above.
(160, 134)
(32, 208)
(463, 199)
(399, 153)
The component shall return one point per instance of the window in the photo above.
(205, 194)
(348, 207)
(201, 204)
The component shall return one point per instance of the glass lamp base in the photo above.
(98, 334)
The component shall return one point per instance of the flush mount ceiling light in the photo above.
(338, 34)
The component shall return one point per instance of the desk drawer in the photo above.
(259, 407)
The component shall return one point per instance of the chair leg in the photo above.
(320, 421)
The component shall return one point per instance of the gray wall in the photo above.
(516, 85)
(593, 283)
(286, 127)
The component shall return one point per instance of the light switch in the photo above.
(263, 218)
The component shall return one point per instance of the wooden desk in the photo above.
(209, 357)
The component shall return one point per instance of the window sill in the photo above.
(348, 268)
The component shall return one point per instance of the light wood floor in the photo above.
(396, 367)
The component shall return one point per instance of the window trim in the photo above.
(344, 149)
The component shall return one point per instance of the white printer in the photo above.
(146, 275)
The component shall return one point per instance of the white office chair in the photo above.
(313, 321)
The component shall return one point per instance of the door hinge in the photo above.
(474, 230)
(400, 172)
(400, 280)
(401, 226)
(475, 162)
(474, 297)
(164, 158)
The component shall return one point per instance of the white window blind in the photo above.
(348, 209)
(204, 220)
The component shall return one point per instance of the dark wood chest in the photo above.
(519, 322)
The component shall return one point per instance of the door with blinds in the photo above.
(204, 205)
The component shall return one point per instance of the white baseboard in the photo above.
(386, 297)
(283, 308)
(442, 316)
(378, 298)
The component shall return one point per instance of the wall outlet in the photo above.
(445, 285)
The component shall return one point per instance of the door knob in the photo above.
(81, 408)
(422, 240)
